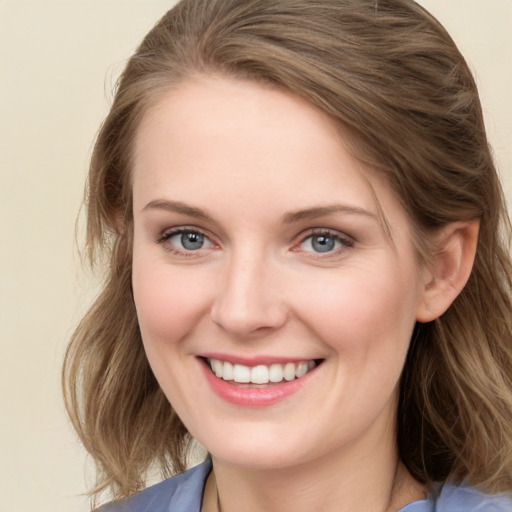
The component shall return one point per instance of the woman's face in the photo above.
(259, 251)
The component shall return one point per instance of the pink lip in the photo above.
(253, 397)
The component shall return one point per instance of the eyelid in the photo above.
(346, 241)
(168, 233)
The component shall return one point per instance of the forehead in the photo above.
(211, 109)
(244, 140)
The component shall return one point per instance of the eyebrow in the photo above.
(288, 218)
(321, 211)
(177, 207)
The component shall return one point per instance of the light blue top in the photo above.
(183, 493)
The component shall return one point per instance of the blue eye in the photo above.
(324, 243)
(184, 240)
(190, 241)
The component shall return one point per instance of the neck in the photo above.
(373, 480)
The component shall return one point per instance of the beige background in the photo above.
(58, 62)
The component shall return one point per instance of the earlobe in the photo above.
(449, 270)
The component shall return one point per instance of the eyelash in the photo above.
(165, 238)
(345, 241)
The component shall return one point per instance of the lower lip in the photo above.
(248, 396)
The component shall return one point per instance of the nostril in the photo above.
(244, 321)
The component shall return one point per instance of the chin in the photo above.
(261, 452)
(257, 459)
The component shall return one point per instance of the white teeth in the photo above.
(217, 367)
(302, 369)
(241, 374)
(275, 373)
(261, 374)
(289, 371)
(227, 371)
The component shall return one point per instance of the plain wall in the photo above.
(58, 62)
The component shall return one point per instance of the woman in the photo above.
(309, 268)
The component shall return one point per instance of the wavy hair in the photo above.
(389, 75)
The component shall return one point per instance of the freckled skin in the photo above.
(247, 155)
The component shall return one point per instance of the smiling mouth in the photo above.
(261, 374)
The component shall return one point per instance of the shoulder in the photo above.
(460, 498)
(184, 492)
(453, 498)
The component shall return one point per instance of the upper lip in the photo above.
(255, 360)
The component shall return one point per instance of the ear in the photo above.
(449, 269)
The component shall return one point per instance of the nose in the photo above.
(249, 301)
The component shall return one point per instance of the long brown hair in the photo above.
(389, 74)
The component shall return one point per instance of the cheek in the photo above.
(366, 320)
(363, 309)
(169, 307)
(169, 302)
